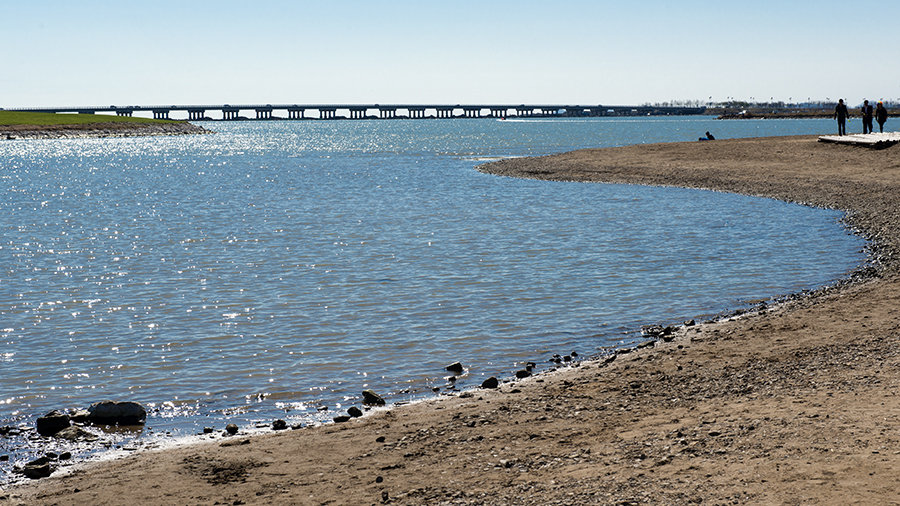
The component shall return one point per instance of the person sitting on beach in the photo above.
(880, 116)
(709, 137)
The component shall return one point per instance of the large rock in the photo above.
(455, 368)
(75, 433)
(52, 422)
(80, 416)
(491, 382)
(40, 468)
(370, 398)
(117, 413)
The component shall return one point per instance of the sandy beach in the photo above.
(791, 404)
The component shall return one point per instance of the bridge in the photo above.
(229, 112)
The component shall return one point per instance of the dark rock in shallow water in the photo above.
(52, 422)
(279, 425)
(231, 429)
(651, 330)
(491, 382)
(655, 331)
(40, 468)
(75, 433)
(80, 416)
(455, 368)
(354, 412)
(524, 373)
(341, 419)
(372, 399)
(117, 413)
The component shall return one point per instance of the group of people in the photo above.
(879, 112)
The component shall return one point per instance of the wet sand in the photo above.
(795, 404)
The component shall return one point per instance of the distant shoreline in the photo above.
(98, 130)
(763, 114)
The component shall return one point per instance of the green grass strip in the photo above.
(49, 118)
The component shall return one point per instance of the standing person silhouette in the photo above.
(880, 116)
(841, 113)
(867, 117)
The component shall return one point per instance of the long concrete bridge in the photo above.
(229, 112)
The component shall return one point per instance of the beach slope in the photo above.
(795, 404)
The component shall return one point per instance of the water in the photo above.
(276, 267)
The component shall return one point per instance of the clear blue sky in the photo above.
(566, 51)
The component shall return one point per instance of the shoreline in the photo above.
(777, 405)
(98, 130)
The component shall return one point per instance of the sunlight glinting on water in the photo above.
(285, 265)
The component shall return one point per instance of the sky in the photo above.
(168, 52)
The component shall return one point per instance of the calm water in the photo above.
(280, 266)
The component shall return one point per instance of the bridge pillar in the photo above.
(264, 113)
(161, 114)
(230, 114)
(472, 112)
(327, 113)
(387, 112)
(524, 111)
(295, 113)
(124, 112)
(498, 112)
(444, 112)
(196, 114)
(416, 112)
(358, 113)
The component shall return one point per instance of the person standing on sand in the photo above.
(841, 113)
(867, 117)
(880, 116)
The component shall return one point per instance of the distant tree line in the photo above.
(828, 103)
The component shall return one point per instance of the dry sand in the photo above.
(792, 405)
